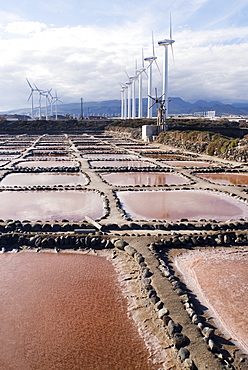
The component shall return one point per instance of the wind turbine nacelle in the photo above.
(150, 59)
(165, 42)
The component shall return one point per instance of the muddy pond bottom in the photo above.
(220, 278)
(143, 178)
(65, 311)
(46, 164)
(50, 205)
(116, 163)
(225, 178)
(189, 164)
(180, 204)
(34, 179)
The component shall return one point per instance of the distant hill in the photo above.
(111, 108)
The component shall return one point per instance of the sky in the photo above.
(81, 49)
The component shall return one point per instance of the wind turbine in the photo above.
(129, 95)
(151, 59)
(46, 94)
(56, 99)
(31, 96)
(124, 87)
(139, 74)
(166, 43)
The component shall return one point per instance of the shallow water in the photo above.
(116, 163)
(226, 178)
(109, 156)
(34, 179)
(177, 204)
(220, 280)
(146, 178)
(46, 164)
(189, 164)
(50, 205)
(65, 311)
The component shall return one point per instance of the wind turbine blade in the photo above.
(142, 56)
(156, 93)
(170, 28)
(153, 46)
(29, 84)
(127, 74)
(172, 51)
(151, 97)
(152, 105)
(158, 67)
(30, 95)
(37, 88)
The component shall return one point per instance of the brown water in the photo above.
(226, 178)
(189, 164)
(163, 156)
(116, 163)
(145, 178)
(47, 164)
(220, 280)
(33, 179)
(177, 204)
(50, 205)
(109, 156)
(65, 311)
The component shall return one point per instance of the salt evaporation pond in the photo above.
(220, 280)
(65, 311)
(46, 164)
(34, 179)
(190, 164)
(175, 205)
(110, 156)
(117, 163)
(143, 178)
(225, 178)
(3, 163)
(72, 205)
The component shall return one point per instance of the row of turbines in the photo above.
(128, 89)
(50, 101)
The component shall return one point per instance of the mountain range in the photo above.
(112, 108)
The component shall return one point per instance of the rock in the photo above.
(183, 353)
(180, 340)
(146, 272)
(154, 299)
(174, 327)
(130, 250)
(207, 332)
(189, 364)
(166, 319)
(119, 243)
(162, 312)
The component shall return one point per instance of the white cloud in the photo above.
(25, 28)
(89, 61)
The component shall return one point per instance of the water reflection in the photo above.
(226, 178)
(178, 204)
(50, 205)
(65, 311)
(46, 164)
(146, 178)
(189, 164)
(117, 163)
(206, 273)
(33, 179)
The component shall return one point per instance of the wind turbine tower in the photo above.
(166, 43)
(151, 59)
(139, 74)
